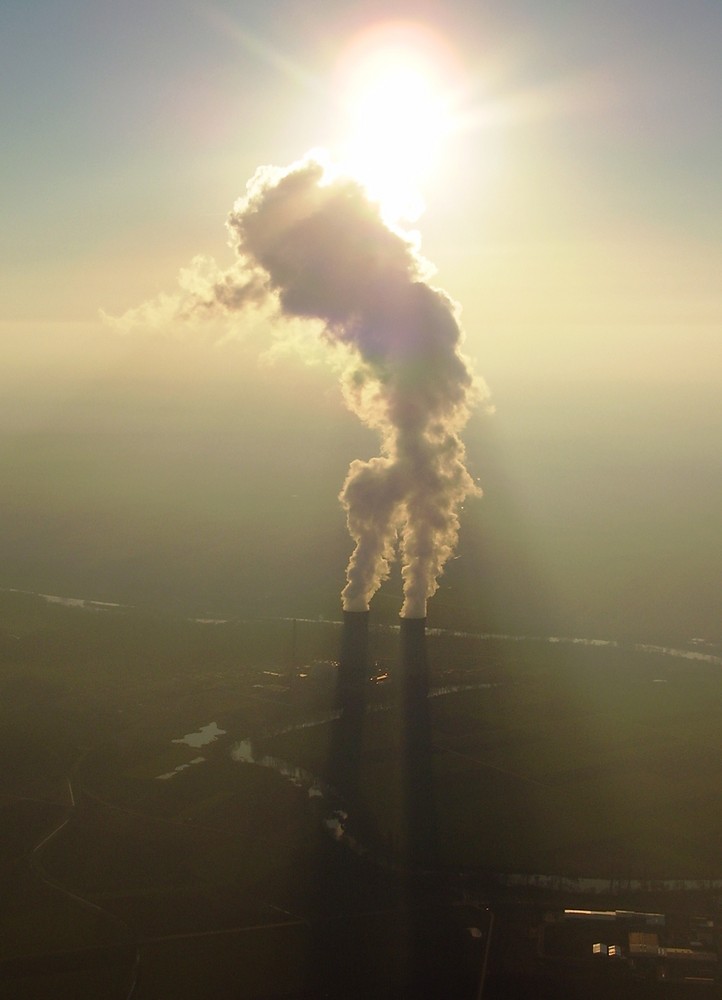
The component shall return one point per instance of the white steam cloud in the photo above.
(316, 243)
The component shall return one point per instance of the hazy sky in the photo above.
(575, 211)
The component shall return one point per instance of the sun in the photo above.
(398, 114)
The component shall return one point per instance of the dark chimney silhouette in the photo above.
(420, 838)
(351, 687)
(353, 661)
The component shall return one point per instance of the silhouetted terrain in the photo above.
(176, 777)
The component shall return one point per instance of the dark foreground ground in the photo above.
(140, 861)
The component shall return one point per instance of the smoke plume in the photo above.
(316, 244)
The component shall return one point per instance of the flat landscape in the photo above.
(169, 777)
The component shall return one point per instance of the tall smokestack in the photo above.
(347, 732)
(413, 640)
(415, 671)
(353, 661)
(421, 846)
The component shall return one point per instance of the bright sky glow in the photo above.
(569, 156)
(398, 114)
(395, 140)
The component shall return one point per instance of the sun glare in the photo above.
(397, 116)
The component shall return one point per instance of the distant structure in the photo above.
(677, 948)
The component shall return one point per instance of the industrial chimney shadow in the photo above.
(382, 923)
(343, 883)
(419, 849)
(414, 843)
(351, 693)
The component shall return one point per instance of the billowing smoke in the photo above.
(318, 244)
